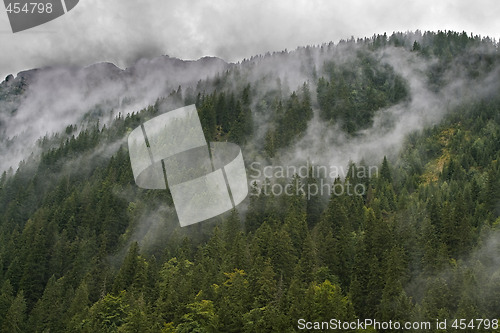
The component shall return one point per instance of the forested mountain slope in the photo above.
(83, 249)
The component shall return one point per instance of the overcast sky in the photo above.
(121, 31)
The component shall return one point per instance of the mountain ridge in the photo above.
(28, 74)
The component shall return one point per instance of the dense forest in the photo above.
(83, 249)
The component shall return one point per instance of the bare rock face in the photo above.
(9, 78)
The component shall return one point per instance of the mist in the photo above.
(327, 144)
(123, 31)
(59, 96)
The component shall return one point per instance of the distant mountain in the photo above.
(46, 100)
(166, 71)
(141, 69)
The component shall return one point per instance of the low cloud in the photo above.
(122, 31)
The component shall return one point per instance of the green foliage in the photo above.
(351, 93)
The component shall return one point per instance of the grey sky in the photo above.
(121, 31)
